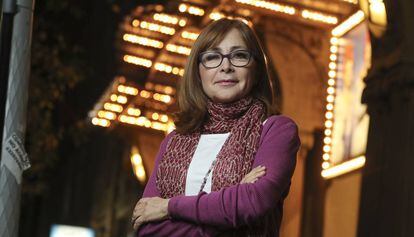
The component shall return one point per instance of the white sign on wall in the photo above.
(70, 231)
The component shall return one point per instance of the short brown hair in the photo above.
(192, 100)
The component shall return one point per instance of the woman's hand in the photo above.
(149, 209)
(254, 175)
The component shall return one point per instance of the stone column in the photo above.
(387, 195)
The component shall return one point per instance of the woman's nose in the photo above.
(226, 65)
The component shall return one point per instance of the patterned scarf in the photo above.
(243, 119)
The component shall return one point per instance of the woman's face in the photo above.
(228, 83)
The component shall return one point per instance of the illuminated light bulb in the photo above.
(216, 16)
(330, 98)
(147, 123)
(326, 156)
(143, 41)
(101, 122)
(114, 97)
(155, 116)
(270, 6)
(182, 23)
(333, 57)
(334, 49)
(328, 124)
(318, 16)
(133, 111)
(332, 74)
(106, 114)
(331, 82)
(348, 24)
(164, 118)
(131, 90)
(136, 159)
(330, 90)
(137, 61)
(325, 165)
(344, 167)
(189, 35)
(329, 106)
(332, 65)
(168, 90)
(328, 132)
(141, 121)
(326, 148)
(334, 40)
(158, 28)
(121, 88)
(327, 140)
(113, 107)
(135, 23)
(122, 99)
(329, 115)
(145, 94)
(182, 8)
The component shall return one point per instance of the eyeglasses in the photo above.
(238, 58)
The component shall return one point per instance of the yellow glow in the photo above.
(189, 35)
(330, 98)
(169, 19)
(329, 115)
(328, 123)
(155, 116)
(143, 41)
(134, 111)
(270, 6)
(191, 9)
(101, 122)
(145, 94)
(329, 106)
(318, 16)
(327, 140)
(216, 16)
(106, 115)
(127, 90)
(348, 24)
(135, 23)
(138, 165)
(334, 49)
(137, 61)
(326, 156)
(332, 65)
(331, 90)
(333, 57)
(156, 27)
(334, 41)
(326, 148)
(328, 132)
(331, 82)
(332, 74)
(168, 68)
(122, 99)
(178, 49)
(325, 165)
(378, 14)
(113, 107)
(344, 168)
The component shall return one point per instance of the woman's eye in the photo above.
(210, 57)
(241, 55)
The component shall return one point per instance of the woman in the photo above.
(209, 177)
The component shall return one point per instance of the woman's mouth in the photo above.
(226, 82)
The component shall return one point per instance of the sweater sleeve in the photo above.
(169, 227)
(242, 204)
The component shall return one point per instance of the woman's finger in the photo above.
(138, 222)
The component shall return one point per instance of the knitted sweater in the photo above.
(249, 209)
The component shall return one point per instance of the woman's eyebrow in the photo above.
(231, 49)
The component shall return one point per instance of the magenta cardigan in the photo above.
(253, 209)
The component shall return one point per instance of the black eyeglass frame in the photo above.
(223, 56)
